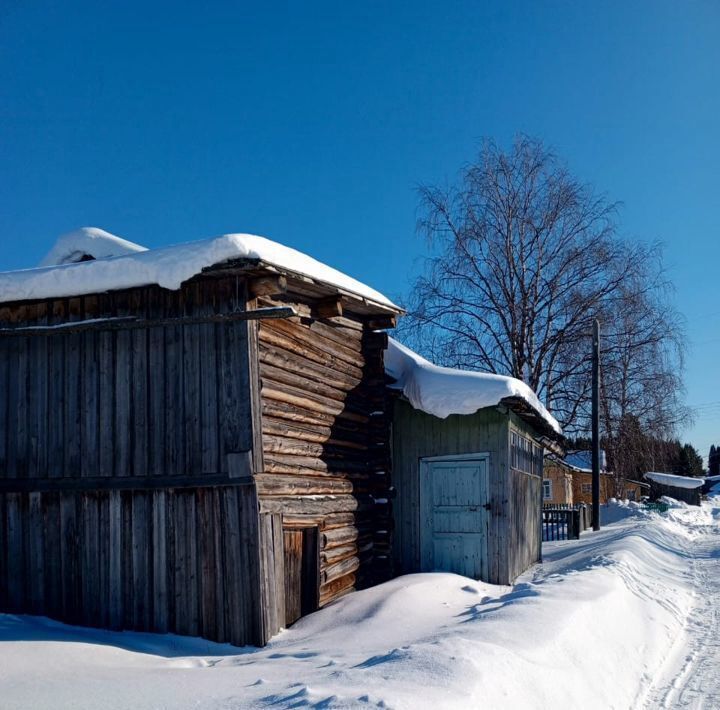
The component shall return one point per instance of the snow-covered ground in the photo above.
(624, 618)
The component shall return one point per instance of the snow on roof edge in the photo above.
(442, 391)
(670, 479)
(171, 266)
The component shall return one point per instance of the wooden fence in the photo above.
(561, 521)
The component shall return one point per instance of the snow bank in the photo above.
(442, 391)
(591, 627)
(168, 267)
(668, 479)
(90, 241)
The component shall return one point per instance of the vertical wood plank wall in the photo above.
(325, 435)
(105, 439)
(416, 435)
(513, 534)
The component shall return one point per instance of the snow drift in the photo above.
(591, 627)
(91, 242)
(442, 391)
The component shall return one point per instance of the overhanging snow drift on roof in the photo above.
(90, 242)
(442, 391)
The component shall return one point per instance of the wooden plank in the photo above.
(209, 408)
(129, 323)
(5, 419)
(174, 392)
(123, 398)
(69, 558)
(191, 386)
(52, 555)
(218, 571)
(157, 403)
(105, 343)
(207, 563)
(89, 398)
(125, 483)
(15, 426)
(15, 552)
(280, 485)
(89, 556)
(141, 572)
(72, 412)
(293, 549)
(309, 506)
(139, 391)
(160, 562)
(235, 610)
(116, 542)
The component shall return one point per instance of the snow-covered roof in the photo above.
(582, 460)
(86, 242)
(669, 479)
(122, 264)
(442, 391)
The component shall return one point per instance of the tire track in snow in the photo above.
(694, 683)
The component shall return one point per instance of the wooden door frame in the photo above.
(308, 528)
(424, 467)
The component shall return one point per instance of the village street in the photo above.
(623, 618)
(690, 678)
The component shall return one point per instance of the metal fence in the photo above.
(565, 522)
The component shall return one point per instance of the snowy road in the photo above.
(623, 618)
(691, 678)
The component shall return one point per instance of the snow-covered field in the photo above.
(620, 619)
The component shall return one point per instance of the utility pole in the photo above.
(596, 425)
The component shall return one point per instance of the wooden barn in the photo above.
(193, 439)
(682, 488)
(467, 465)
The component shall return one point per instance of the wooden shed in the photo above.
(683, 488)
(193, 439)
(467, 465)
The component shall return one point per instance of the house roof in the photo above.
(582, 460)
(442, 391)
(670, 479)
(118, 264)
(572, 459)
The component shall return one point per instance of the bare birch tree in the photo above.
(523, 257)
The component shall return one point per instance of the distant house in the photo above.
(569, 480)
(467, 466)
(636, 490)
(683, 488)
(557, 481)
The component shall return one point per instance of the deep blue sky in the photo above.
(313, 123)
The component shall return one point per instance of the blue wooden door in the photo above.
(454, 515)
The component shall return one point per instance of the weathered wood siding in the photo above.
(164, 560)
(325, 439)
(525, 508)
(416, 435)
(116, 507)
(515, 497)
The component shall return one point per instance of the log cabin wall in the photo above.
(326, 454)
(117, 506)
